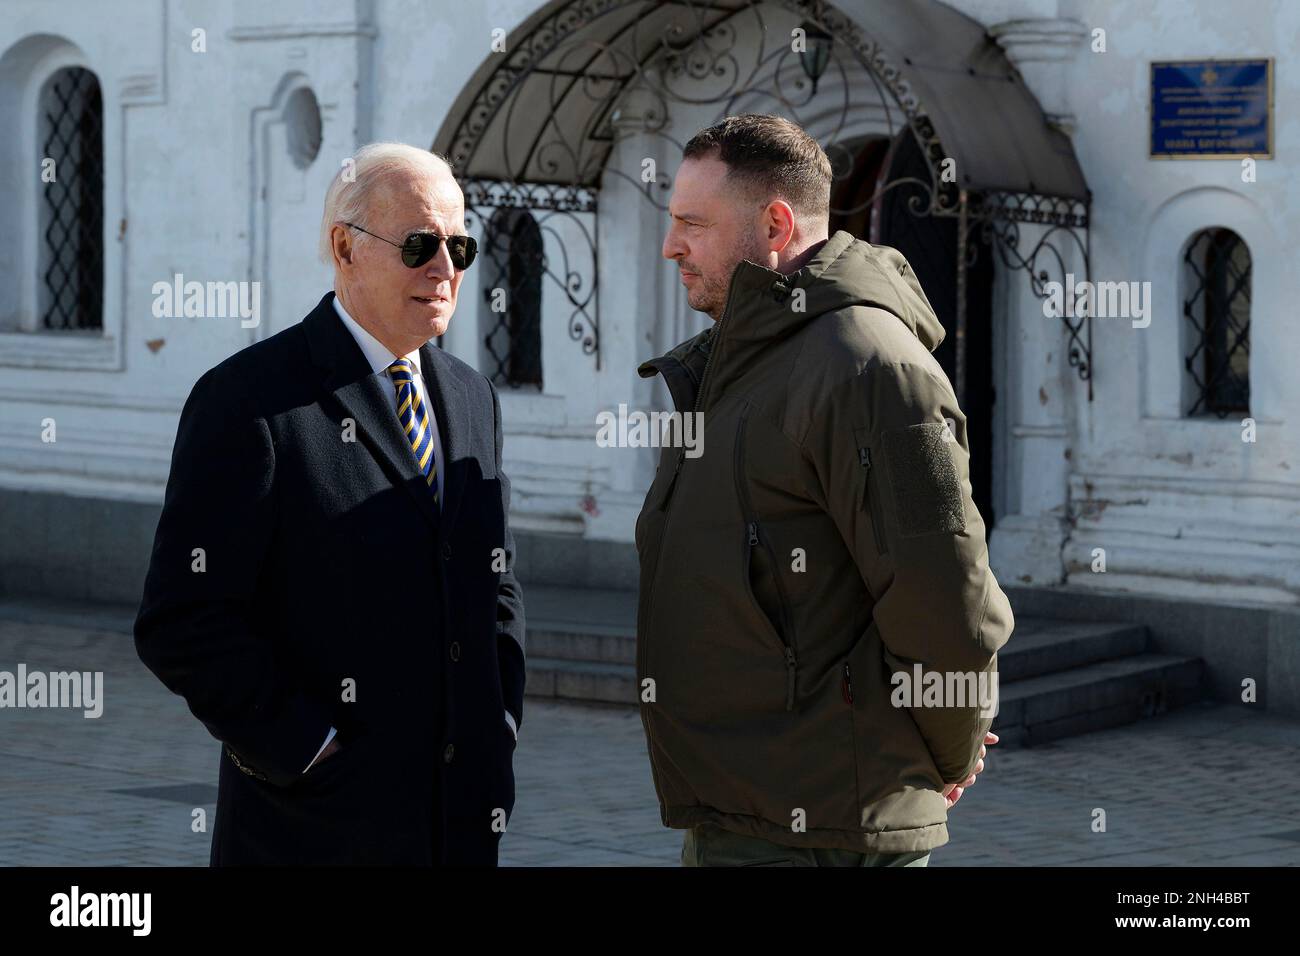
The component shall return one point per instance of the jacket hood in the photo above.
(765, 306)
(847, 271)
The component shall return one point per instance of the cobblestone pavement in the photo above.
(1208, 785)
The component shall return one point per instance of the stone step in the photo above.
(1056, 677)
(581, 624)
(1045, 646)
(588, 681)
(1093, 697)
(1031, 710)
(1040, 646)
(599, 626)
(571, 641)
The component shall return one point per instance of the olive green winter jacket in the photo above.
(825, 539)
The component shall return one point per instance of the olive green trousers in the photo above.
(709, 845)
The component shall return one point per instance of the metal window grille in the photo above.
(72, 254)
(1218, 308)
(513, 293)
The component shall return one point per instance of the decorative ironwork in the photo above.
(72, 211)
(1045, 262)
(499, 195)
(549, 208)
(1218, 307)
(588, 74)
(1060, 211)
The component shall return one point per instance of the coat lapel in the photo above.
(359, 392)
(448, 397)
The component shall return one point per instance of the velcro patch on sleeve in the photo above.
(927, 491)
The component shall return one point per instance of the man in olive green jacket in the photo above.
(822, 557)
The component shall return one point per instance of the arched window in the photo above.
(1216, 304)
(512, 292)
(70, 124)
(302, 126)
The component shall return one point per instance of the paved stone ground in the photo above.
(1210, 785)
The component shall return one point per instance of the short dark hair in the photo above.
(769, 155)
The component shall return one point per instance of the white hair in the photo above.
(353, 190)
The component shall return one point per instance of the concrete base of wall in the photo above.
(91, 549)
(88, 549)
(65, 547)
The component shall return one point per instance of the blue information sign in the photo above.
(1208, 109)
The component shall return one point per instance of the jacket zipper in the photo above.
(681, 452)
(751, 521)
(848, 684)
(642, 653)
(672, 482)
(871, 501)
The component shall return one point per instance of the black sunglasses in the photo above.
(419, 247)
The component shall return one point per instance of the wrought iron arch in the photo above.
(537, 124)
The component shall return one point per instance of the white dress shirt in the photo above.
(380, 357)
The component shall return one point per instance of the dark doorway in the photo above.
(515, 264)
(929, 243)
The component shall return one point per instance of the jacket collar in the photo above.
(762, 310)
(760, 298)
(376, 353)
(359, 392)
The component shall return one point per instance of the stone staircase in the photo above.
(1056, 678)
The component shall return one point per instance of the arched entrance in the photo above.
(958, 159)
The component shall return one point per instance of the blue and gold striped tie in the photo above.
(414, 417)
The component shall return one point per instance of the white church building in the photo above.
(1112, 257)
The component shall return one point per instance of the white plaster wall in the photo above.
(1175, 505)
(191, 141)
(1180, 504)
(189, 144)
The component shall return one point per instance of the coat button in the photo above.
(446, 549)
(448, 753)
(455, 650)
